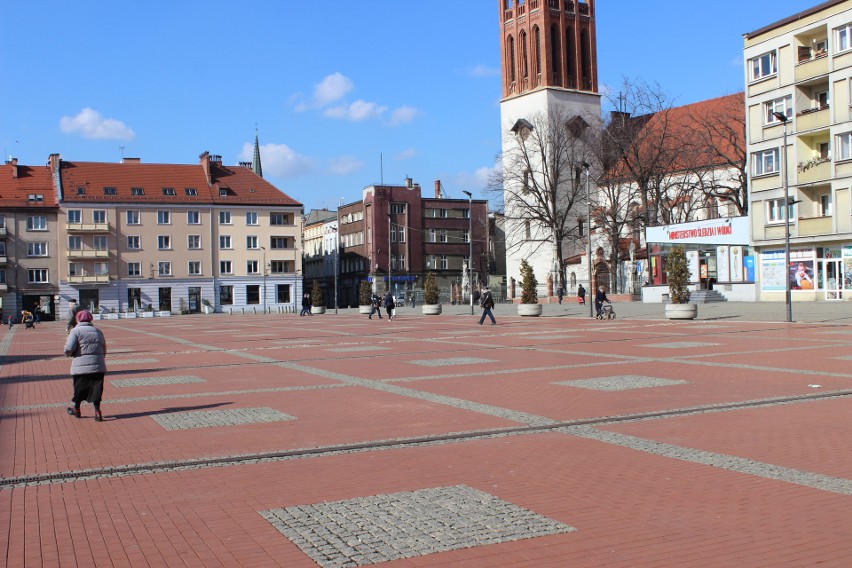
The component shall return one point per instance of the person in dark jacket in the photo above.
(87, 345)
(390, 304)
(581, 295)
(375, 305)
(600, 298)
(487, 303)
(306, 305)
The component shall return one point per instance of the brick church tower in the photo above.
(548, 56)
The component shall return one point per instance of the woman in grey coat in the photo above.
(86, 344)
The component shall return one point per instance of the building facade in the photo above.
(174, 237)
(798, 84)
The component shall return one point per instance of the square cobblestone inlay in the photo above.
(680, 344)
(129, 361)
(213, 418)
(357, 348)
(621, 383)
(450, 362)
(369, 530)
(154, 381)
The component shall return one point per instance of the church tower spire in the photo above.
(255, 161)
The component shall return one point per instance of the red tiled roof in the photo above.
(242, 185)
(14, 191)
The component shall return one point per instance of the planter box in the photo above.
(365, 309)
(146, 314)
(162, 314)
(97, 317)
(127, 315)
(431, 309)
(529, 310)
(682, 311)
(206, 309)
(111, 316)
(318, 310)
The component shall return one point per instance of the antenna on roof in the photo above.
(121, 149)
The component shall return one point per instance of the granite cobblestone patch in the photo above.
(381, 528)
(214, 418)
(110, 361)
(620, 383)
(155, 381)
(680, 344)
(450, 362)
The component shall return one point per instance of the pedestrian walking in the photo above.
(581, 295)
(11, 321)
(600, 298)
(36, 314)
(390, 305)
(487, 303)
(87, 346)
(375, 305)
(306, 305)
(560, 293)
(73, 308)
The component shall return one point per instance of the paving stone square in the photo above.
(450, 362)
(215, 418)
(621, 383)
(680, 345)
(155, 381)
(380, 528)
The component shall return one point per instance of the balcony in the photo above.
(812, 119)
(815, 226)
(809, 172)
(87, 227)
(810, 68)
(89, 279)
(2, 232)
(87, 253)
(4, 288)
(3, 259)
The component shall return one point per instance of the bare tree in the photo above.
(541, 180)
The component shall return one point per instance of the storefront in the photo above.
(819, 273)
(717, 252)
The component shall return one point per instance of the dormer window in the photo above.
(137, 191)
(191, 191)
(81, 190)
(109, 191)
(35, 197)
(223, 193)
(169, 191)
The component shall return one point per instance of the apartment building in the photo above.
(320, 235)
(798, 78)
(174, 237)
(29, 276)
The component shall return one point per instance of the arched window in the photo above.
(537, 36)
(527, 230)
(525, 69)
(571, 58)
(586, 59)
(512, 73)
(555, 63)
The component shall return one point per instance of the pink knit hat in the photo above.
(84, 315)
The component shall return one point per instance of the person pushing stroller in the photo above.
(602, 311)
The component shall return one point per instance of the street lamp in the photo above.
(591, 290)
(336, 252)
(470, 240)
(264, 278)
(787, 297)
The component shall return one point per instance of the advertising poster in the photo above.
(723, 272)
(772, 273)
(847, 273)
(748, 263)
(737, 264)
(692, 263)
(801, 275)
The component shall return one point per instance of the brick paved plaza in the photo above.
(431, 441)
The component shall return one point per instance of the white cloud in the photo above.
(484, 71)
(90, 123)
(344, 165)
(332, 88)
(279, 160)
(357, 111)
(403, 115)
(406, 154)
(478, 180)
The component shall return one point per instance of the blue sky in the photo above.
(344, 94)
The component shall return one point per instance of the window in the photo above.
(279, 267)
(283, 293)
(844, 38)
(401, 233)
(75, 269)
(164, 242)
(75, 216)
(133, 218)
(36, 249)
(824, 150)
(825, 205)
(37, 276)
(527, 230)
(442, 236)
(393, 262)
(137, 191)
(101, 269)
(581, 228)
(466, 236)
(251, 242)
(223, 193)
(775, 211)
(109, 191)
(37, 223)
(225, 267)
(398, 208)
(169, 191)
(99, 216)
(133, 242)
(402, 262)
(99, 242)
(194, 268)
(164, 218)
(224, 241)
(443, 213)
(763, 66)
(844, 146)
(784, 105)
(279, 219)
(134, 269)
(191, 191)
(526, 187)
(193, 217)
(444, 262)
(35, 197)
(81, 190)
(252, 294)
(251, 267)
(465, 213)
(2, 275)
(2, 221)
(765, 162)
(226, 295)
(224, 217)
(193, 242)
(75, 243)
(278, 243)
(393, 233)
(251, 218)
(164, 268)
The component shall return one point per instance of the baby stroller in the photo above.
(606, 312)
(28, 322)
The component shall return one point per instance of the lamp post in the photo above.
(591, 290)
(788, 300)
(264, 278)
(336, 253)
(390, 279)
(470, 240)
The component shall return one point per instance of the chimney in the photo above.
(14, 163)
(205, 165)
(53, 162)
(131, 160)
(437, 189)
